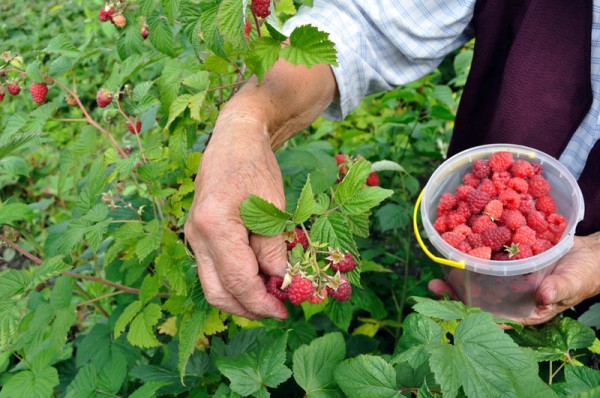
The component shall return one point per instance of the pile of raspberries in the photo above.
(502, 211)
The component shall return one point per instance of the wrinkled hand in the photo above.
(238, 162)
(575, 278)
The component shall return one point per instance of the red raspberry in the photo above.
(145, 31)
(440, 224)
(261, 8)
(522, 169)
(510, 199)
(537, 169)
(464, 246)
(446, 203)
(471, 179)
(343, 291)
(518, 184)
(477, 200)
(513, 219)
(300, 290)
(38, 92)
(134, 128)
(106, 13)
(462, 229)
(453, 239)
(524, 236)
(501, 180)
(373, 179)
(557, 223)
(119, 20)
(247, 30)
(538, 186)
(2, 93)
(346, 264)
(494, 209)
(536, 220)
(500, 161)
(524, 252)
(454, 219)
(496, 238)
(464, 209)
(500, 256)
(318, 298)
(13, 87)
(481, 169)
(483, 223)
(546, 204)
(297, 236)
(487, 185)
(340, 158)
(548, 235)
(274, 288)
(475, 240)
(481, 252)
(540, 246)
(462, 191)
(104, 98)
(527, 204)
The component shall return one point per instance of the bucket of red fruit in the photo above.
(501, 216)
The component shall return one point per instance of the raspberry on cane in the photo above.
(340, 158)
(104, 98)
(341, 263)
(343, 291)
(134, 128)
(145, 31)
(38, 92)
(13, 87)
(373, 179)
(300, 290)
(247, 29)
(297, 236)
(274, 288)
(261, 8)
(119, 20)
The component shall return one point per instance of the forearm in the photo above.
(593, 242)
(287, 100)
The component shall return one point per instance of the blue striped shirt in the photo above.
(386, 43)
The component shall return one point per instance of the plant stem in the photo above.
(257, 24)
(94, 304)
(18, 248)
(93, 300)
(92, 121)
(237, 83)
(137, 133)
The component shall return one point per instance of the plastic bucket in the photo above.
(504, 288)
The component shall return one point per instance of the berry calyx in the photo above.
(134, 128)
(300, 290)
(343, 290)
(13, 87)
(260, 8)
(297, 236)
(38, 92)
(104, 98)
(274, 288)
(373, 179)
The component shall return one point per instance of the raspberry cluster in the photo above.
(113, 12)
(310, 279)
(346, 161)
(260, 8)
(502, 211)
(37, 90)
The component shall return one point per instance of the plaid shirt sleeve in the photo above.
(386, 43)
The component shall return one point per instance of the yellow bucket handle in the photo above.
(440, 260)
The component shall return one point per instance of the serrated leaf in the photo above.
(147, 7)
(309, 46)
(580, 380)
(198, 81)
(93, 186)
(262, 55)
(127, 316)
(353, 182)
(367, 377)
(177, 107)
(190, 331)
(589, 318)
(386, 165)
(11, 312)
(141, 331)
(230, 21)
(196, 103)
(13, 212)
(38, 383)
(306, 204)
(61, 65)
(148, 389)
(62, 45)
(365, 199)
(178, 146)
(150, 287)
(49, 269)
(274, 32)
(333, 230)
(442, 309)
(340, 313)
(171, 9)
(111, 377)
(130, 42)
(314, 364)
(208, 23)
(38, 118)
(262, 217)
(358, 224)
(161, 35)
(34, 73)
(10, 143)
(84, 384)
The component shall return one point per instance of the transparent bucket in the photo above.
(504, 288)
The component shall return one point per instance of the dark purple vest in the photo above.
(530, 83)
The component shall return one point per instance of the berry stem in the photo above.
(237, 83)
(137, 133)
(257, 24)
(90, 120)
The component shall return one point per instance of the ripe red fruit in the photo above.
(440, 224)
(343, 291)
(494, 209)
(462, 191)
(318, 298)
(300, 290)
(524, 236)
(247, 30)
(2, 93)
(13, 87)
(540, 246)
(145, 31)
(522, 169)
(484, 252)
(496, 238)
(135, 129)
(471, 179)
(106, 14)
(297, 236)
(261, 8)
(500, 161)
(373, 179)
(481, 168)
(538, 186)
(546, 205)
(462, 229)
(477, 200)
(536, 220)
(513, 219)
(510, 199)
(38, 92)
(119, 20)
(557, 223)
(340, 158)
(345, 264)
(447, 202)
(500, 180)
(274, 288)
(104, 98)
(524, 252)
(452, 238)
(481, 224)
(518, 184)
(486, 185)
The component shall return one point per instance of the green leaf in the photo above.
(314, 364)
(13, 212)
(358, 224)
(190, 331)
(262, 217)
(34, 73)
(177, 107)
(11, 312)
(150, 287)
(62, 45)
(230, 21)
(148, 389)
(141, 332)
(306, 204)
(589, 318)
(10, 143)
(367, 376)
(38, 118)
(443, 309)
(171, 9)
(262, 55)
(198, 81)
(353, 182)
(212, 36)
(581, 380)
(309, 46)
(150, 241)
(480, 360)
(384, 165)
(365, 199)
(93, 186)
(49, 269)
(127, 316)
(275, 32)
(84, 384)
(333, 230)
(130, 42)
(14, 282)
(161, 35)
(38, 383)
(147, 7)
(340, 313)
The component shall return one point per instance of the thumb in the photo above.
(557, 289)
(271, 253)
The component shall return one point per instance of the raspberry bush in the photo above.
(98, 292)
